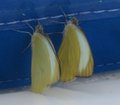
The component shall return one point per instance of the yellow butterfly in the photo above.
(45, 67)
(75, 54)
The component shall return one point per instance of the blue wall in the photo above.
(100, 19)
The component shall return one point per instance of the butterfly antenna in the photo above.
(30, 26)
(64, 14)
(24, 32)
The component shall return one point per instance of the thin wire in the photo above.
(54, 33)
(54, 21)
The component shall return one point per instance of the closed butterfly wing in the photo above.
(45, 68)
(86, 59)
(69, 54)
(75, 53)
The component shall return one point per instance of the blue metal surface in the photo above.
(100, 19)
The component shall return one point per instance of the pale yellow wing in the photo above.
(86, 59)
(75, 54)
(69, 54)
(56, 74)
(44, 65)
